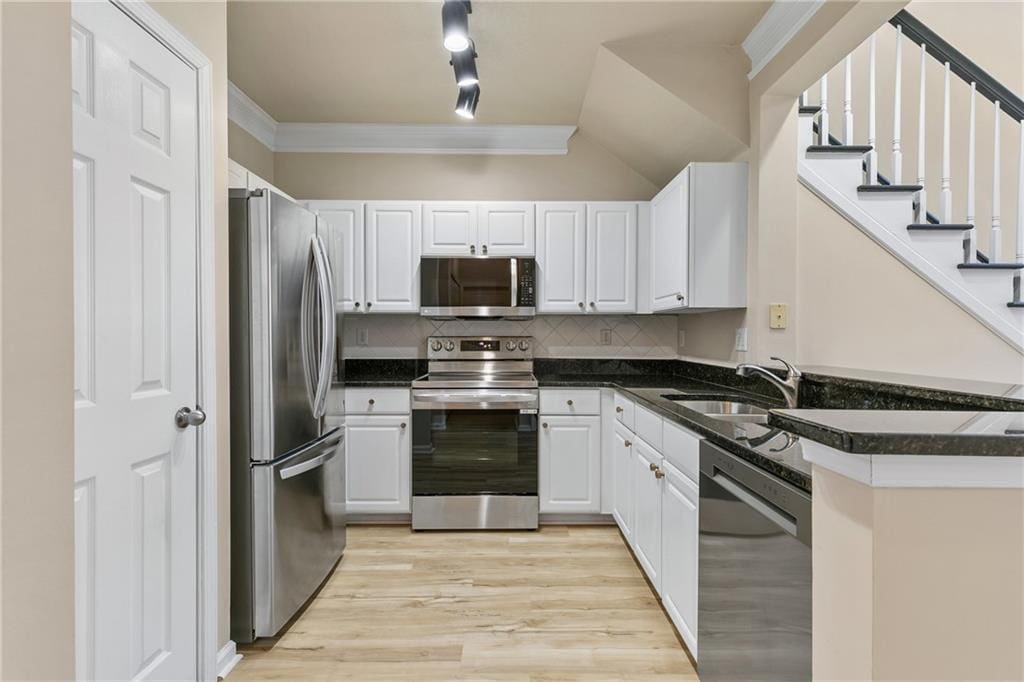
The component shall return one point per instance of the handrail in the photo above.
(960, 64)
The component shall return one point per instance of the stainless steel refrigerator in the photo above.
(287, 468)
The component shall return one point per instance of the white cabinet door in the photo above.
(450, 229)
(377, 464)
(623, 466)
(392, 257)
(647, 510)
(507, 228)
(570, 464)
(344, 242)
(561, 257)
(679, 542)
(670, 213)
(611, 257)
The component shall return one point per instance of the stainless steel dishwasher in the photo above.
(754, 573)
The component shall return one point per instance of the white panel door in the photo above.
(392, 257)
(570, 464)
(623, 466)
(670, 213)
(611, 257)
(647, 511)
(377, 464)
(135, 203)
(561, 257)
(345, 248)
(507, 228)
(679, 527)
(450, 229)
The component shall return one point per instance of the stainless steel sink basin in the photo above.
(727, 410)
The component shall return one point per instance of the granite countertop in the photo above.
(909, 432)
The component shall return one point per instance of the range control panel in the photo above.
(480, 348)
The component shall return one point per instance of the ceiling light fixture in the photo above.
(465, 105)
(465, 66)
(455, 24)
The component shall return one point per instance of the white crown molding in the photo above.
(386, 138)
(776, 28)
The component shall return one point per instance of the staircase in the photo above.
(896, 211)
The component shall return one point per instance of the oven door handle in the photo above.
(442, 401)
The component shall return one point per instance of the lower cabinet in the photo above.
(622, 479)
(647, 508)
(570, 464)
(377, 463)
(679, 527)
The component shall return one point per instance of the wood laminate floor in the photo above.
(562, 603)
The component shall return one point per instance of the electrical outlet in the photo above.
(682, 338)
(606, 337)
(778, 316)
(741, 339)
(363, 337)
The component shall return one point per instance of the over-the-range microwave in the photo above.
(477, 287)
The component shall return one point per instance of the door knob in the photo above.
(186, 417)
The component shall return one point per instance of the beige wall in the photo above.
(250, 152)
(36, 353)
(205, 24)
(588, 171)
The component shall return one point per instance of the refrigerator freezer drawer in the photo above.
(298, 531)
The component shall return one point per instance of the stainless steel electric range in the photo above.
(474, 435)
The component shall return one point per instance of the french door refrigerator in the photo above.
(287, 523)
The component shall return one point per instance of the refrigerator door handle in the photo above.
(307, 465)
(327, 328)
(306, 324)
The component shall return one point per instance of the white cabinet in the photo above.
(623, 464)
(377, 463)
(699, 239)
(507, 228)
(647, 492)
(679, 542)
(450, 228)
(611, 257)
(344, 242)
(393, 257)
(570, 464)
(561, 257)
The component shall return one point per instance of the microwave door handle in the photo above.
(514, 267)
(305, 333)
(327, 338)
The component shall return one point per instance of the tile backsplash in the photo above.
(577, 336)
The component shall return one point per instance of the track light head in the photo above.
(455, 24)
(464, 64)
(465, 105)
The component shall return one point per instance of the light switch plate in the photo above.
(682, 338)
(363, 337)
(778, 316)
(606, 337)
(741, 339)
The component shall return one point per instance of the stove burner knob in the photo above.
(449, 345)
(435, 345)
(510, 345)
(524, 345)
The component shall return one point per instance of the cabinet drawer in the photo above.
(682, 448)
(376, 401)
(570, 401)
(648, 426)
(624, 411)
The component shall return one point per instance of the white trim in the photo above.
(227, 659)
(777, 27)
(388, 138)
(251, 117)
(207, 554)
(919, 471)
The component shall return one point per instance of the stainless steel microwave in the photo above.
(477, 287)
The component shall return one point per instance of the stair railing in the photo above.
(1004, 102)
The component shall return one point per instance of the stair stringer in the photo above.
(934, 257)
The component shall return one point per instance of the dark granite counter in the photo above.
(364, 373)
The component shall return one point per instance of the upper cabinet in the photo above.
(343, 221)
(469, 228)
(698, 249)
(587, 257)
(393, 232)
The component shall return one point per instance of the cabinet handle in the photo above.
(484, 247)
(472, 248)
(372, 401)
(569, 403)
(545, 425)
(618, 409)
(628, 443)
(357, 304)
(402, 425)
(654, 467)
(659, 474)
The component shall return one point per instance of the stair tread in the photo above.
(809, 110)
(991, 266)
(840, 148)
(951, 227)
(889, 188)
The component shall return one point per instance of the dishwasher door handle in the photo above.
(777, 516)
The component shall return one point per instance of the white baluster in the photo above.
(848, 101)
(872, 170)
(946, 193)
(897, 115)
(823, 118)
(970, 236)
(996, 235)
(922, 197)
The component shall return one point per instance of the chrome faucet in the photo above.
(790, 386)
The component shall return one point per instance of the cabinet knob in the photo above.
(680, 297)
(592, 305)
(654, 467)
(580, 304)
(369, 304)
(357, 304)
(472, 248)
(628, 443)
(619, 409)
(659, 474)
(545, 425)
(569, 403)
(484, 247)
(402, 425)
(371, 401)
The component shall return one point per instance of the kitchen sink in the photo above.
(725, 410)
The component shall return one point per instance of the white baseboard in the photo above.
(227, 659)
